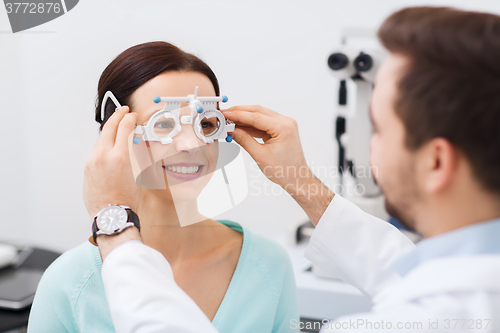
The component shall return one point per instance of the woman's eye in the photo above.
(163, 124)
(207, 124)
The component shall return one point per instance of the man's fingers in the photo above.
(256, 133)
(258, 120)
(254, 108)
(126, 126)
(248, 143)
(108, 133)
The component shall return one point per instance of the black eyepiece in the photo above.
(337, 61)
(363, 62)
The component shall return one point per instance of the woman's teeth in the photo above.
(183, 169)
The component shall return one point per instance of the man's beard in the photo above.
(402, 218)
(404, 188)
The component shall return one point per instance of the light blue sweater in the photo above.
(261, 297)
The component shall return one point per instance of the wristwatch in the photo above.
(113, 220)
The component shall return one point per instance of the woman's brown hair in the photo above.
(139, 64)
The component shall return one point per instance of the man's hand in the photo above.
(280, 158)
(281, 148)
(108, 177)
(108, 243)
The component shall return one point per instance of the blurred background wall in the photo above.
(271, 53)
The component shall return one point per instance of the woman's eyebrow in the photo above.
(149, 114)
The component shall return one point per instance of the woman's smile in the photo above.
(184, 171)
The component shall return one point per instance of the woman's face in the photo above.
(181, 169)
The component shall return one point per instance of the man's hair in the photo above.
(451, 87)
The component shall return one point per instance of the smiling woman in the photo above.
(242, 281)
(176, 172)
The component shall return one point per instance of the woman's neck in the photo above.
(176, 229)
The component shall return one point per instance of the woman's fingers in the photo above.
(126, 126)
(107, 137)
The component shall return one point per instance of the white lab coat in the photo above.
(451, 292)
(143, 296)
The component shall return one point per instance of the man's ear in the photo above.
(440, 162)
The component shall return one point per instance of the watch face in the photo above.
(112, 218)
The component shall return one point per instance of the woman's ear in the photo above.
(440, 160)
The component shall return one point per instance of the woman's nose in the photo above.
(186, 140)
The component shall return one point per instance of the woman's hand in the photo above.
(108, 177)
(280, 158)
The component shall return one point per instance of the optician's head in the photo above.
(436, 115)
(180, 169)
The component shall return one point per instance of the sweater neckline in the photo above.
(233, 284)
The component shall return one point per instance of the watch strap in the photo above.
(132, 217)
(94, 231)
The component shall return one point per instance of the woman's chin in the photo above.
(184, 193)
(187, 190)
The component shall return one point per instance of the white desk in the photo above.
(323, 298)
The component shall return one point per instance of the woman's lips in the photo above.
(184, 171)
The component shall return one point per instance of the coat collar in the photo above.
(467, 273)
(477, 238)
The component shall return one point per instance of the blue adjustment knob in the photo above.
(229, 138)
(137, 140)
(199, 109)
(224, 99)
(157, 99)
